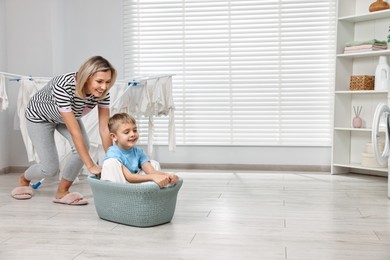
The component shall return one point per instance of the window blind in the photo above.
(247, 72)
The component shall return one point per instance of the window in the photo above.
(246, 72)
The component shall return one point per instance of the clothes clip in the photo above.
(133, 83)
(36, 185)
(17, 80)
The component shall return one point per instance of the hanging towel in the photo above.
(166, 107)
(157, 100)
(27, 89)
(3, 94)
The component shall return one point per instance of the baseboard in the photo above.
(13, 169)
(4, 170)
(223, 167)
(246, 167)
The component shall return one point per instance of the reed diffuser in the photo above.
(357, 120)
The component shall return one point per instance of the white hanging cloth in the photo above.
(3, 94)
(27, 89)
(149, 97)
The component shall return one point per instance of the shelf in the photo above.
(357, 129)
(366, 17)
(363, 54)
(361, 92)
(360, 167)
(349, 143)
(352, 129)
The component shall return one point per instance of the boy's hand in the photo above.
(173, 178)
(161, 180)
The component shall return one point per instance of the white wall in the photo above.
(29, 48)
(49, 37)
(46, 38)
(4, 114)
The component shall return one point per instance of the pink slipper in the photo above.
(22, 193)
(72, 198)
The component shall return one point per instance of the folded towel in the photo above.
(363, 50)
(365, 46)
(373, 41)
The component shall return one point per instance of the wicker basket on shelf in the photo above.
(362, 82)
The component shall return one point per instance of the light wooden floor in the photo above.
(219, 215)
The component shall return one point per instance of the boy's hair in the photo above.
(88, 69)
(119, 118)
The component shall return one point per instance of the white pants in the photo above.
(112, 170)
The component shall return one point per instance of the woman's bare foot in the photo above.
(23, 181)
(63, 188)
(60, 195)
(23, 191)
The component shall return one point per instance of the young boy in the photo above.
(124, 161)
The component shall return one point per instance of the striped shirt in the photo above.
(59, 96)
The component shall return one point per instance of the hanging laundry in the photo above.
(146, 96)
(151, 98)
(27, 89)
(3, 94)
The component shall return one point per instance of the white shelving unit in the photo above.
(355, 22)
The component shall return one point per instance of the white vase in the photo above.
(382, 74)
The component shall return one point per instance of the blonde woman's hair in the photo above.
(88, 69)
(118, 119)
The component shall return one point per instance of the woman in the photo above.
(59, 106)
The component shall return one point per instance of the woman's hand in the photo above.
(95, 170)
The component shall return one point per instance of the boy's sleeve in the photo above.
(143, 158)
(113, 153)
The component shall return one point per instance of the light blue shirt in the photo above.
(132, 159)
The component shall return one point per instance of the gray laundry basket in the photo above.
(135, 204)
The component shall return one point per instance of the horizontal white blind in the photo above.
(247, 72)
